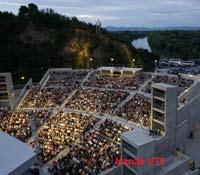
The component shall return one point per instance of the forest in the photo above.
(176, 44)
(34, 40)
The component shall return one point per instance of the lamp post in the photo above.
(155, 65)
(91, 60)
(112, 59)
(22, 77)
(133, 60)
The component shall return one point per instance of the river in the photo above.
(141, 43)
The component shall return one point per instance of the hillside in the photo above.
(177, 44)
(35, 40)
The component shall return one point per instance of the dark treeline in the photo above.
(177, 44)
(35, 40)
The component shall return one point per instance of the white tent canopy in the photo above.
(119, 71)
(125, 69)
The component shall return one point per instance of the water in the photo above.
(141, 43)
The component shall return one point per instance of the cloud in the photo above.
(145, 13)
(165, 12)
(10, 3)
(93, 19)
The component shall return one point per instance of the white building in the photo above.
(16, 157)
(168, 138)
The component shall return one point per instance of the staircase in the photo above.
(124, 101)
(86, 78)
(145, 84)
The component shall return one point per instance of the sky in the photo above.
(121, 13)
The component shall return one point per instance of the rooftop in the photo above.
(139, 136)
(15, 152)
(163, 85)
(121, 69)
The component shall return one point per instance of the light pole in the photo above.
(91, 60)
(133, 60)
(155, 65)
(112, 59)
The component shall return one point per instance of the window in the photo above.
(3, 87)
(158, 126)
(158, 116)
(128, 73)
(159, 104)
(129, 147)
(2, 79)
(106, 72)
(3, 96)
(159, 93)
(116, 73)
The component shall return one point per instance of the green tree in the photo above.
(23, 11)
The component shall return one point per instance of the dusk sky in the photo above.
(124, 13)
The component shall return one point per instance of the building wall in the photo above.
(191, 93)
(188, 117)
(177, 168)
(181, 134)
(146, 151)
(171, 115)
(162, 145)
(190, 111)
(24, 167)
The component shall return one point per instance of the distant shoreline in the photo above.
(113, 29)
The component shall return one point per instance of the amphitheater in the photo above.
(75, 119)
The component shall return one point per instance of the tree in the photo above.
(23, 11)
(33, 9)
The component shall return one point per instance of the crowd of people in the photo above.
(182, 83)
(96, 151)
(94, 100)
(138, 110)
(112, 130)
(66, 78)
(115, 82)
(62, 130)
(18, 124)
(93, 144)
(1, 113)
(45, 98)
(55, 91)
